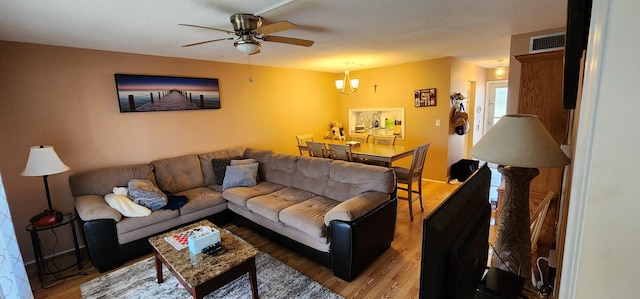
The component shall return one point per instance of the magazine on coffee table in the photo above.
(180, 240)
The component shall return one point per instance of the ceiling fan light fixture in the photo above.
(247, 47)
(347, 85)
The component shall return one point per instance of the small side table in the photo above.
(67, 219)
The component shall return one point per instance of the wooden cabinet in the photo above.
(541, 94)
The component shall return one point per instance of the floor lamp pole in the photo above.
(513, 242)
(46, 188)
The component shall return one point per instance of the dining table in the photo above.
(385, 154)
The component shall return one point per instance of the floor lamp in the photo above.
(43, 161)
(519, 144)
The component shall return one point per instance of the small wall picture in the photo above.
(140, 93)
(425, 97)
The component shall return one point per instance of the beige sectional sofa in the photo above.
(340, 214)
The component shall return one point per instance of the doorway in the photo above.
(496, 106)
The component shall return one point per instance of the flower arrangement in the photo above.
(336, 131)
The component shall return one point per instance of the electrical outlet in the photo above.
(437, 122)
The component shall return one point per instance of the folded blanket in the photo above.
(144, 192)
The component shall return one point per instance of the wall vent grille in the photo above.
(546, 43)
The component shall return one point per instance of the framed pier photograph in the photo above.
(141, 93)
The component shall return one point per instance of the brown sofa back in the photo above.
(101, 181)
(349, 179)
(178, 173)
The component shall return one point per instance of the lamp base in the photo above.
(513, 242)
(47, 217)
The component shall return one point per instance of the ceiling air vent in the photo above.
(546, 43)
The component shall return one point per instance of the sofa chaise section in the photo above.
(321, 207)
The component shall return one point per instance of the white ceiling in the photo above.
(369, 33)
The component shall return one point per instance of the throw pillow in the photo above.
(125, 206)
(240, 176)
(219, 167)
(144, 192)
(242, 162)
(120, 191)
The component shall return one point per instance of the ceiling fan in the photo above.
(249, 31)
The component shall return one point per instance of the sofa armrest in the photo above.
(356, 243)
(93, 207)
(356, 207)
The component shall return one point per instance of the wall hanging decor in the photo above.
(141, 93)
(425, 97)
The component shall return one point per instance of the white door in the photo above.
(496, 105)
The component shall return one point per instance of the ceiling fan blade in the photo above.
(275, 27)
(206, 42)
(210, 28)
(288, 40)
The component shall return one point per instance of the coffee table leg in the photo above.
(253, 278)
(158, 267)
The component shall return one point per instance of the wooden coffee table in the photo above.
(201, 274)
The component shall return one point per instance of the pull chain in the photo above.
(250, 69)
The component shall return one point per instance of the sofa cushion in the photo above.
(200, 198)
(101, 181)
(311, 174)
(262, 156)
(130, 224)
(240, 195)
(308, 216)
(179, 173)
(240, 176)
(348, 179)
(205, 161)
(281, 169)
(270, 205)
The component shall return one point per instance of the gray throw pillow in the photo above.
(240, 176)
(219, 167)
(242, 162)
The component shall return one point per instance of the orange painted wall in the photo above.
(395, 89)
(66, 97)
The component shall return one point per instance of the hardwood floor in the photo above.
(394, 274)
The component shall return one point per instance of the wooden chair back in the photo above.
(317, 149)
(362, 138)
(302, 142)
(384, 139)
(340, 152)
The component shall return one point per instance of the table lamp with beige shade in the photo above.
(519, 144)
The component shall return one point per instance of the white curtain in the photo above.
(14, 282)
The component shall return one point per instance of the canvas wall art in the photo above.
(141, 93)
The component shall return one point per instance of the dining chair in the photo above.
(362, 138)
(408, 176)
(340, 152)
(384, 139)
(302, 142)
(317, 149)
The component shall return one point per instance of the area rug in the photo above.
(275, 280)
